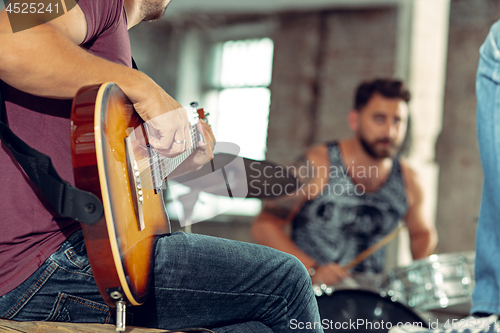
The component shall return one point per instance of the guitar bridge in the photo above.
(135, 181)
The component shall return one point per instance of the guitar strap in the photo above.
(66, 199)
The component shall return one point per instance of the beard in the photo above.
(153, 10)
(371, 148)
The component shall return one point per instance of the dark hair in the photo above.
(389, 88)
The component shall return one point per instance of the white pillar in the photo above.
(426, 70)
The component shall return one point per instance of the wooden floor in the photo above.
(50, 327)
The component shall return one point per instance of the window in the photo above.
(239, 92)
(236, 95)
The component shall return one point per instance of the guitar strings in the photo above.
(146, 176)
(157, 160)
(163, 166)
(156, 165)
(193, 132)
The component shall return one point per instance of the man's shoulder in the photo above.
(407, 170)
(318, 154)
(72, 24)
(411, 180)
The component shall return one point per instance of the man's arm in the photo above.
(269, 227)
(47, 61)
(423, 235)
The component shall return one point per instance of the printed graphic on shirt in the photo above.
(336, 227)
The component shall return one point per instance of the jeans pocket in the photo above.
(75, 256)
(79, 310)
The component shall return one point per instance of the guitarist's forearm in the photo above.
(43, 61)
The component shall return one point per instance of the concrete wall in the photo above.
(457, 154)
(320, 58)
(155, 49)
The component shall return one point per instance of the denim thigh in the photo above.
(486, 296)
(62, 289)
(225, 285)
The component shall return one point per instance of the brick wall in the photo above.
(319, 60)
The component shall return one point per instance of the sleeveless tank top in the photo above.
(344, 219)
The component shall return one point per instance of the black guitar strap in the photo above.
(134, 65)
(67, 200)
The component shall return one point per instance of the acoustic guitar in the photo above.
(113, 160)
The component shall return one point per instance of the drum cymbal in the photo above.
(250, 179)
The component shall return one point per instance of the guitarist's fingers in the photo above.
(172, 149)
(208, 136)
(187, 135)
(167, 132)
(175, 146)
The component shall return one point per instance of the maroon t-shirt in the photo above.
(30, 232)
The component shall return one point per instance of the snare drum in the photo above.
(356, 310)
(435, 282)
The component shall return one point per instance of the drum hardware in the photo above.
(436, 282)
(357, 310)
(323, 289)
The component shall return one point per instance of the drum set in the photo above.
(406, 296)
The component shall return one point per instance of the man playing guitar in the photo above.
(45, 272)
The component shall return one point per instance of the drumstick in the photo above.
(377, 246)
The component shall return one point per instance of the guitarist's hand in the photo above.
(166, 119)
(202, 155)
(169, 132)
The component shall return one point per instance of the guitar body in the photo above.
(110, 160)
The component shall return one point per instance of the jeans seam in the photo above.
(27, 296)
(285, 301)
(54, 312)
(74, 272)
(77, 299)
(221, 292)
(71, 256)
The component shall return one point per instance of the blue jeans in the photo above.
(198, 281)
(486, 297)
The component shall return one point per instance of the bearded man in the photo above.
(353, 193)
